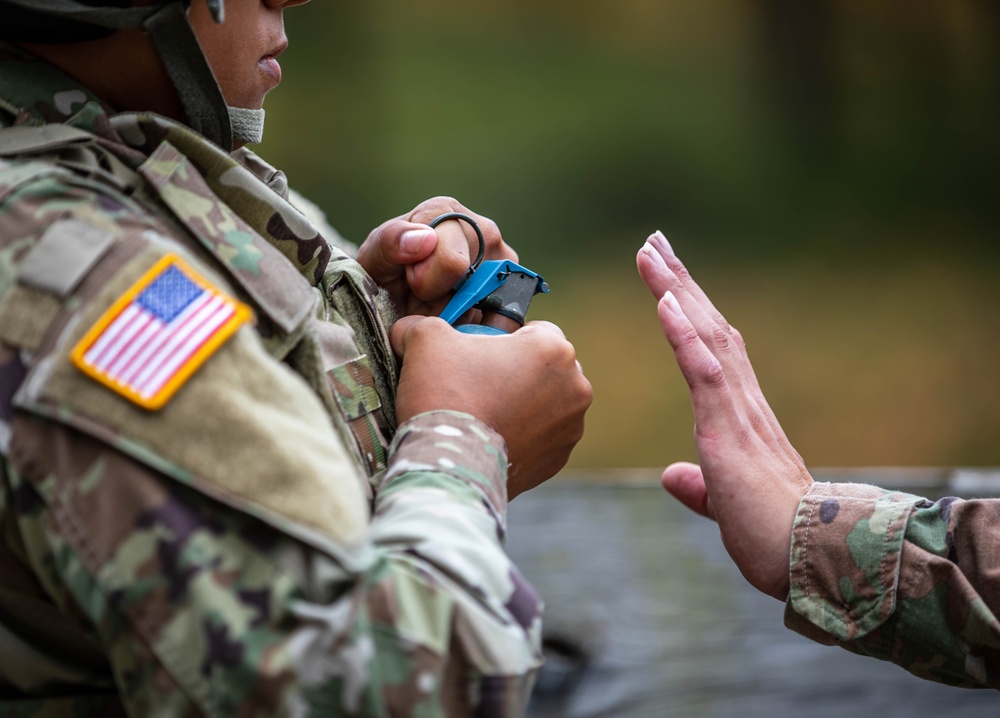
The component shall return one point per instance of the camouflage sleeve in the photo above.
(204, 610)
(440, 514)
(900, 578)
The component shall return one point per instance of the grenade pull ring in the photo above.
(479, 233)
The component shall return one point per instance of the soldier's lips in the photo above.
(269, 62)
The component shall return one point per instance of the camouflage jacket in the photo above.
(900, 578)
(205, 506)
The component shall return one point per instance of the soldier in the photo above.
(222, 492)
(880, 573)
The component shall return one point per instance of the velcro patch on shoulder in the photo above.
(63, 255)
(158, 333)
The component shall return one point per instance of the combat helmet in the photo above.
(166, 23)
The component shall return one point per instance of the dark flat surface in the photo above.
(645, 589)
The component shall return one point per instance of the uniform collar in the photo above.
(35, 92)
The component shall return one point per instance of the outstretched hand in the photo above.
(750, 479)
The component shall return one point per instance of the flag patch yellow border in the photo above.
(158, 333)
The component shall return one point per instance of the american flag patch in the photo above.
(157, 334)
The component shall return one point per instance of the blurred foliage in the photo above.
(826, 169)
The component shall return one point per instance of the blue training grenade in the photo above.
(500, 288)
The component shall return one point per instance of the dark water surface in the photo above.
(647, 616)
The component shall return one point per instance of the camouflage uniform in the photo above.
(266, 542)
(900, 578)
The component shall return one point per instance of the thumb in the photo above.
(686, 483)
(395, 244)
(406, 329)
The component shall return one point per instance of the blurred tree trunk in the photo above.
(800, 72)
(989, 11)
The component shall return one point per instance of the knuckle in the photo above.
(447, 203)
(720, 338)
(714, 375)
(434, 207)
(688, 338)
(491, 232)
(720, 320)
(680, 271)
(540, 329)
(426, 329)
(440, 201)
(553, 355)
(374, 236)
(564, 354)
(758, 423)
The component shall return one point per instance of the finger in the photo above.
(711, 394)
(452, 238)
(540, 325)
(556, 332)
(682, 278)
(656, 262)
(395, 244)
(429, 209)
(663, 271)
(721, 339)
(437, 275)
(686, 483)
(409, 328)
(496, 248)
(560, 351)
(457, 234)
(653, 269)
(661, 278)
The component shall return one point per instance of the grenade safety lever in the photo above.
(500, 288)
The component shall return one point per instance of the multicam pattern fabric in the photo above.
(240, 551)
(900, 578)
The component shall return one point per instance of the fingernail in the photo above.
(671, 301)
(654, 256)
(413, 240)
(658, 235)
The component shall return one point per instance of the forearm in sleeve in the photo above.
(900, 578)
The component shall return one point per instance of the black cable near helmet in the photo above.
(166, 23)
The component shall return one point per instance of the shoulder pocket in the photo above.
(275, 287)
(244, 428)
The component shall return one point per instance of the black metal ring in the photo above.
(479, 233)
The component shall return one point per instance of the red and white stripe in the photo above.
(140, 352)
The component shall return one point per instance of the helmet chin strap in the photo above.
(247, 125)
(181, 55)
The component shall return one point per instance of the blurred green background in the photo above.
(827, 170)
